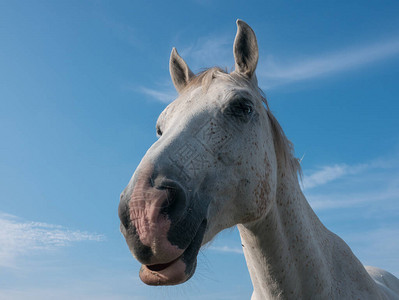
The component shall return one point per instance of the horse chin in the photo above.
(172, 273)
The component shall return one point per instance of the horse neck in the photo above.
(291, 255)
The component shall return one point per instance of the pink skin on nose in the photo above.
(151, 226)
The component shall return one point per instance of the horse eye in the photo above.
(241, 109)
(247, 110)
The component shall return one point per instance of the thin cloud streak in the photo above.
(334, 172)
(226, 249)
(205, 52)
(18, 238)
(273, 73)
(370, 183)
(217, 50)
(331, 173)
(326, 174)
(164, 96)
(386, 199)
(209, 51)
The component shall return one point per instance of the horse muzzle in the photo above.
(160, 230)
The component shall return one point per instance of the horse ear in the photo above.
(245, 49)
(179, 71)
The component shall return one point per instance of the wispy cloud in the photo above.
(343, 185)
(326, 174)
(218, 50)
(385, 199)
(272, 72)
(209, 51)
(226, 249)
(100, 284)
(330, 173)
(204, 52)
(20, 238)
(360, 203)
(333, 172)
(163, 95)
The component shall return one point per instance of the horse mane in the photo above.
(284, 147)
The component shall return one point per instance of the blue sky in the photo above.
(82, 84)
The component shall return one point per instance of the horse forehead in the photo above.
(206, 98)
(217, 94)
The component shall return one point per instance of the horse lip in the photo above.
(164, 274)
(170, 273)
(161, 267)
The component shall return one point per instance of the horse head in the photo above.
(213, 166)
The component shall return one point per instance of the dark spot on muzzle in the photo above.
(190, 255)
(183, 230)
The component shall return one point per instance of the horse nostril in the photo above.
(170, 202)
(175, 202)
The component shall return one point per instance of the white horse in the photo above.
(222, 159)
